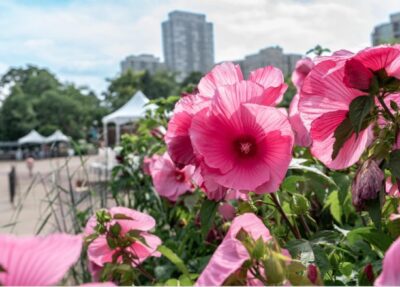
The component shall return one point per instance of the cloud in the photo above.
(85, 40)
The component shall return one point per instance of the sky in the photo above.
(83, 41)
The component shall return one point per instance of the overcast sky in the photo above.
(83, 41)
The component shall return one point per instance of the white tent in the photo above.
(132, 111)
(57, 136)
(33, 137)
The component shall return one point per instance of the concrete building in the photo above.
(269, 56)
(188, 43)
(143, 62)
(387, 32)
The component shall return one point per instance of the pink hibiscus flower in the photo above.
(243, 146)
(147, 162)
(324, 104)
(390, 275)
(179, 146)
(37, 261)
(100, 253)
(302, 69)
(231, 254)
(170, 181)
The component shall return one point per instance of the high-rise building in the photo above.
(271, 56)
(143, 62)
(387, 32)
(188, 43)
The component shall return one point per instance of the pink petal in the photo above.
(303, 67)
(377, 58)
(38, 261)
(302, 136)
(140, 221)
(322, 133)
(271, 79)
(227, 211)
(228, 258)
(390, 275)
(251, 224)
(356, 75)
(224, 74)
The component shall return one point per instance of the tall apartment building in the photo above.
(387, 32)
(271, 56)
(188, 43)
(143, 62)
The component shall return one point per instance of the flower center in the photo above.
(245, 146)
(179, 176)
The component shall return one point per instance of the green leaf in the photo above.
(112, 243)
(346, 268)
(335, 207)
(375, 212)
(360, 108)
(115, 229)
(372, 236)
(342, 133)
(122, 216)
(207, 215)
(178, 262)
(297, 164)
(259, 249)
(394, 163)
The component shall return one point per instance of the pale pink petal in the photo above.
(228, 258)
(251, 224)
(303, 67)
(140, 221)
(322, 93)
(38, 261)
(142, 251)
(391, 188)
(302, 136)
(98, 252)
(377, 58)
(224, 74)
(322, 133)
(390, 275)
(271, 79)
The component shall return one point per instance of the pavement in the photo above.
(31, 205)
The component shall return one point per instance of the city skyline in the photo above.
(84, 41)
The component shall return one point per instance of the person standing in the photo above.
(12, 179)
(30, 162)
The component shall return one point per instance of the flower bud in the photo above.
(367, 184)
(274, 271)
(369, 273)
(312, 273)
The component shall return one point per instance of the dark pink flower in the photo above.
(243, 146)
(324, 105)
(170, 181)
(99, 253)
(37, 261)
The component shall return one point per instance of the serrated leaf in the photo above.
(359, 109)
(178, 262)
(342, 133)
(207, 215)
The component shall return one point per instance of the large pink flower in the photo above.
(179, 146)
(231, 254)
(37, 261)
(100, 253)
(170, 181)
(390, 275)
(324, 105)
(243, 145)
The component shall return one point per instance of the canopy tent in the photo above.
(33, 137)
(132, 111)
(57, 136)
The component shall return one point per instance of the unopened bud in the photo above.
(367, 184)
(369, 273)
(312, 273)
(274, 271)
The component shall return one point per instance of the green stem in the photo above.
(294, 230)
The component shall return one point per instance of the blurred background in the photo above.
(76, 75)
